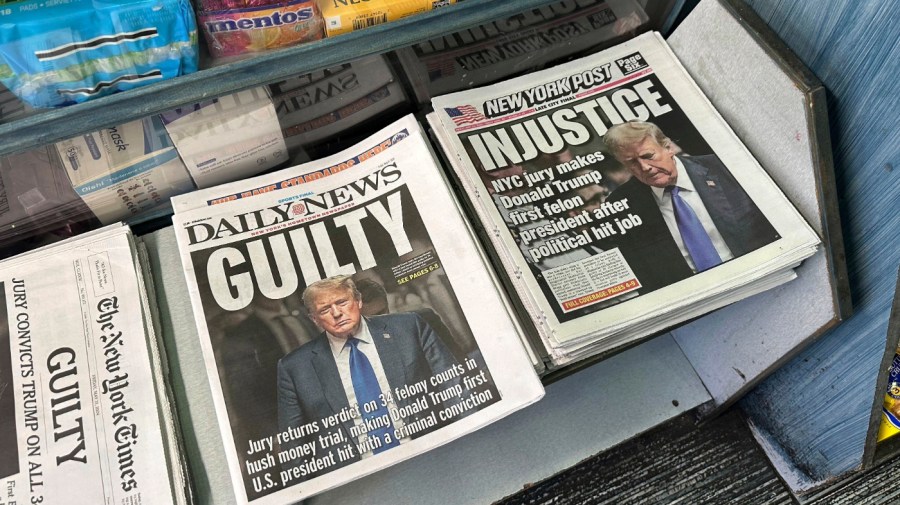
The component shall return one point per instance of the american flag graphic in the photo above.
(440, 68)
(464, 114)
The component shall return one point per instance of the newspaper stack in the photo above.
(347, 318)
(85, 416)
(531, 39)
(617, 200)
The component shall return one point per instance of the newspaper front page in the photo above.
(346, 317)
(78, 412)
(582, 174)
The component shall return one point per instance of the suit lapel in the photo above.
(387, 344)
(653, 235)
(712, 192)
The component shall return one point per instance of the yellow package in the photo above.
(344, 16)
(890, 412)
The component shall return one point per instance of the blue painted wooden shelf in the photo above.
(822, 409)
(58, 124)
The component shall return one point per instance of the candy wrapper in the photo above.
(344, 17)
(233, 27)
(890, 411)
(59, 52)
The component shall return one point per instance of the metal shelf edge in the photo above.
(58, 124)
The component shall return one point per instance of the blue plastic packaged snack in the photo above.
(60, 52)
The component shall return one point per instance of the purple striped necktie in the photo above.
(695, 238)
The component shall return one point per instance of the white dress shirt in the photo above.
(341, 354)
(690, 195)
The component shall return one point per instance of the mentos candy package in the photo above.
(60, 52)
(235, 27)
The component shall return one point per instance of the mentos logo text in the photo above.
(251, 23)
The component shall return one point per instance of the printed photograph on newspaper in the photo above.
(610, 179)
(339, 330)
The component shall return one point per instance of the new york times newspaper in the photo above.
(347, 319)
(582, 174)
(79, 421)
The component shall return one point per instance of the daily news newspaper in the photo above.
(295, 274)
(593, 251)
(79, 421)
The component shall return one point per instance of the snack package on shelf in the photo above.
(345, 17)
(234, 27)
(227, 138)
(55, 53)
(890, 411)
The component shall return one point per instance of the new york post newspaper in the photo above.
(617, 198)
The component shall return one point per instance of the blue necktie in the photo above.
(696, 240)
(365, 385)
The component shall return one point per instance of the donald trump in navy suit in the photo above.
(694, 213)
(357, 364)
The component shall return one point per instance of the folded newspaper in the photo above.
(531, 39)
(82, 394)
(617, 200)
(347, 318)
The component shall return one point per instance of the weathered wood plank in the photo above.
(819, 406)
(754, 80)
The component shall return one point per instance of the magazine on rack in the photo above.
(347, 317)
(617, 200)
(82, 394)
